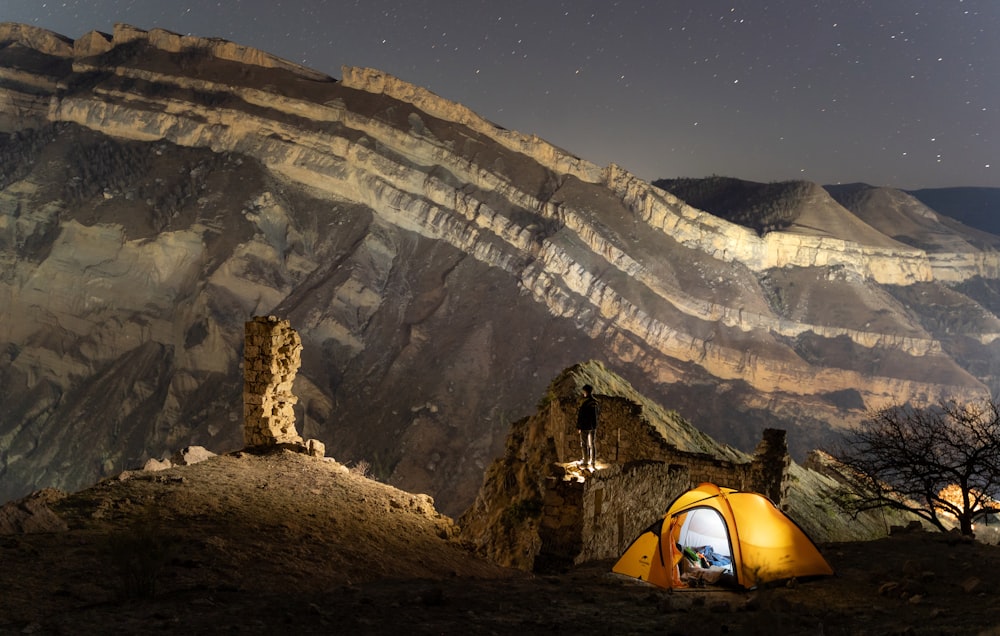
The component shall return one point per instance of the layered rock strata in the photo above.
(160, 189)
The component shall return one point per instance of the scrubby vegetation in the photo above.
(104, 165)
(138, 554)
(19, 152)
(941, 464)
(763, 207)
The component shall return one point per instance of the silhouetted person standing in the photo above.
(586, 422)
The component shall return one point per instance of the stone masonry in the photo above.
(537, 511)
(272, 353)
(597, 517)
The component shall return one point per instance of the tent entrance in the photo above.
(705, 546)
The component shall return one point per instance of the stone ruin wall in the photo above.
(272, 354)
(640, 476)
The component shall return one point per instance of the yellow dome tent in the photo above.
(744, 535)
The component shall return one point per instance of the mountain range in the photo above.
(157, 191)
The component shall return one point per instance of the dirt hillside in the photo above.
(286, 543)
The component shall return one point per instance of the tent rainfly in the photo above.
(741, 537)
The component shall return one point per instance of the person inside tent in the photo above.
(704, 544)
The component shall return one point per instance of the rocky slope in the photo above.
(157, 191)
(287, 543)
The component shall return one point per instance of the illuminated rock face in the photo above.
(272, 356)
(157, 191)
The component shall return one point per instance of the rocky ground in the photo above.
(286, 543)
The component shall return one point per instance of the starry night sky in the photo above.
(902, 93)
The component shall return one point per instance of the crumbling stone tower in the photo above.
(272, 354)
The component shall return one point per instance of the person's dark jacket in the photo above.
(586, 417)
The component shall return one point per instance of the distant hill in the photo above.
(909, 220)
(798, 207)
(975, 207)
(763, 207)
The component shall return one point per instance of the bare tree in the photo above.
(935, 463)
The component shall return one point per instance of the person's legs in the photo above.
(590, 454)
(583, 448)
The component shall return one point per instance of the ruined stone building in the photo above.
(537, 510)
(271, 358)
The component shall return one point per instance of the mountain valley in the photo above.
(159, 190)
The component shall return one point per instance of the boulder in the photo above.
(32, 514)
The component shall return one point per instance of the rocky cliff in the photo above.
(157, 190)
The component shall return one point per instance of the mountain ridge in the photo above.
(438, 267)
